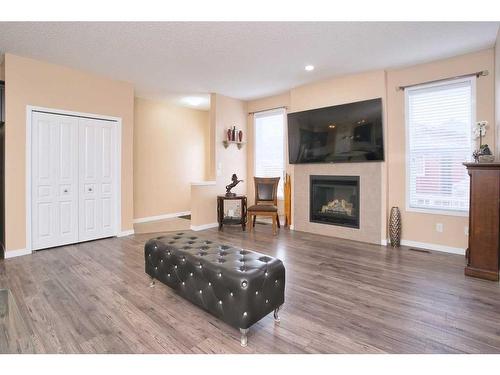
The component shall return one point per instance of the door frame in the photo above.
(118, 163)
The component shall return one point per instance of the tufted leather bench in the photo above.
(238, 286)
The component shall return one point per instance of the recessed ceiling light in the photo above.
(309, 68)
(332, 126)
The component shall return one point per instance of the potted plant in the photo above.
(483, 153)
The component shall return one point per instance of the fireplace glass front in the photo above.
(334, 200)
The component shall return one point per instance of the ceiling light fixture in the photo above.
(194, 101)
(331, 126)
(309, 68)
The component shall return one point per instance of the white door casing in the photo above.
(73, 177)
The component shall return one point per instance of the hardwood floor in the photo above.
(341, 297)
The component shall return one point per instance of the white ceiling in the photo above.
(245, 60)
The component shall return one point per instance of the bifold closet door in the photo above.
(54, 180)
(97, 193)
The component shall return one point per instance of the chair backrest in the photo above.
(266, 190)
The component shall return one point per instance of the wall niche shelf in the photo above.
(239, 144)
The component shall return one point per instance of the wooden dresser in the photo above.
(483, 254)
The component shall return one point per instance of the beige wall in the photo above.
(421, 227)
(264, 104)
(225, 112)
(230, 112)
(170, 152)
(497, 93)
(32, 82)
(204, 204)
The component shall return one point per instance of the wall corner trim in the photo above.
(125, 233)
(16, 253)
(197, 228)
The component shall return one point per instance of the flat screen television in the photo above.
(343, 133)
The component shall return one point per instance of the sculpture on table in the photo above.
(234, 182)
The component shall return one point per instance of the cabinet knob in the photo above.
(65, 190)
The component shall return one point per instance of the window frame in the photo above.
(472, 80)
(271, 112)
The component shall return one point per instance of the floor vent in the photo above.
(419, 250)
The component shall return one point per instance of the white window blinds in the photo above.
(269, 145)
(439, 139)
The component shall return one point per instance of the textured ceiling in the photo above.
(245, 60)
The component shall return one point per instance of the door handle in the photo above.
(90, 189)
(65, 190)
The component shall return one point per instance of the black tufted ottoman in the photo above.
(238, 286)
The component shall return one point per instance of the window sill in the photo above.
(438, 212)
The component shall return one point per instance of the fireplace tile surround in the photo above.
(371, 204)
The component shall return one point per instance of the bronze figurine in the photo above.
(234, 182)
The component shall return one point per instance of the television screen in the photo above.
(342, 133)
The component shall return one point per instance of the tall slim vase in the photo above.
(395, 227)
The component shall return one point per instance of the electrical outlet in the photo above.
(439, 227)
(466, 230)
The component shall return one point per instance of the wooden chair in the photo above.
(266, 202)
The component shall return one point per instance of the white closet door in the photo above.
(54, 181)
(97, 192)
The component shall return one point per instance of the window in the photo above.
(269, 145)
(439, 120)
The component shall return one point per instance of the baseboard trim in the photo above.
(384, 242)
(432, 246)
(16, 253)
(125, 233)
(161, 217)
(197, 228)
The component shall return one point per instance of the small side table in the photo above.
(229, 220)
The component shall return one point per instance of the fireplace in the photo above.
(334, 200)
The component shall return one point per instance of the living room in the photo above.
(158, 182)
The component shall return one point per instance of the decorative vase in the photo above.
(240, 136)
(395, 227)
(229, 132)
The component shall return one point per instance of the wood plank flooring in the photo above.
(341, 297)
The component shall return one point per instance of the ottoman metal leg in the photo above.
(276, 315)
(152, 283)
(244, 339)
